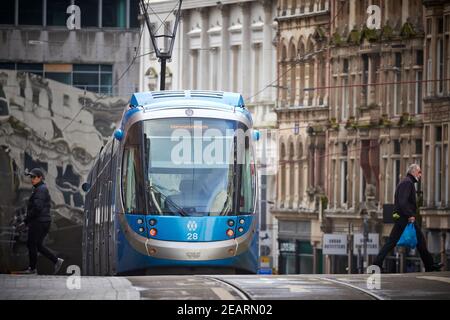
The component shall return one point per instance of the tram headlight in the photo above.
(230, 232)
(153, 232)
(231, 223)
(140, 221)
(152, 222)
(240, 229)
(141, 229)
(241, 221)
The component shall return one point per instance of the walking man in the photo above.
(406, 207)
(38, 220)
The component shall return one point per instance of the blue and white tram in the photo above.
(174, 191)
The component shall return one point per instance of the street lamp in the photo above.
(166, 54)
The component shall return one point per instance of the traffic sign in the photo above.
(372, 243)
(334, 244)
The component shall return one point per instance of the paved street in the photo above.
(227, 287)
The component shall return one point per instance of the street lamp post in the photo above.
(166, 54)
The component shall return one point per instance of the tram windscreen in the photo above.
(192, 164)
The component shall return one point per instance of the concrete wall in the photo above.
(60, 45)
(61, 129)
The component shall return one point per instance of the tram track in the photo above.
(239, 291)
(348, 285)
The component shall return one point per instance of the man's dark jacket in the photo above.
(405, 197)
(39, 205)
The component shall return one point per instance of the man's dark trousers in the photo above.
(36, 235)
(395, 235)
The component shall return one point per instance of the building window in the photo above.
(418, 149)
(59, 72)
(345, 66)
(419, 57)
(134, 13)
(36, 68)
(93, 77)
(440, 65)
(429, 74)
(397, 85)
(365, 78)
(56, 12)
(396, 173)
(114, 13)
(446, 173)
(7, 10)
(429, 25)
(418, 93)
(30, 12)
(354, 95)
(440, 22)
(345, 90)
(397, 147)
(89, 12)
(344, 182)
(438, 166)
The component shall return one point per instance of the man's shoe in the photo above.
(437, 266)
(29, 271)
(58, 265)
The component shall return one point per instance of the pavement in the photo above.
(39, 287)
(424, 286)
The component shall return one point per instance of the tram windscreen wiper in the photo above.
(170, 201)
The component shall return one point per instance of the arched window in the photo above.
(282, 180)
(300, 176)
(311, 64)
(283, 76)
(292, 190)
(301, 72)
(292, 73)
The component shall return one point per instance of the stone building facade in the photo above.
(302, 112)
(370, 102)
(436, 105)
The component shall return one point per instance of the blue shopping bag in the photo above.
(408, 238)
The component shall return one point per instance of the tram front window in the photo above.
(191, 167)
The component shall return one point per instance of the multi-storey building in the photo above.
(302, 112)
(37, 36)
(226, 46)
(436, 106)
(350, 124)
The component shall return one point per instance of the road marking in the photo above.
(223, 294)
(297, 289)
(442, 279)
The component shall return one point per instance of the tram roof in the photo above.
(149, 98)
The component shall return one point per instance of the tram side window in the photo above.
(247, 180)
(133, 174)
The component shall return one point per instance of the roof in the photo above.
(154, 97)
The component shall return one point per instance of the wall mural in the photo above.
(37, 130)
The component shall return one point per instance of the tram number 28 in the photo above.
(192, 236)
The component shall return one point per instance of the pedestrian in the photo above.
(406, 208)
(38, 220)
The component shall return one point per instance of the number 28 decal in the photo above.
(192, 236)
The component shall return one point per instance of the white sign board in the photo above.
(372, 243)
(334, 244)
